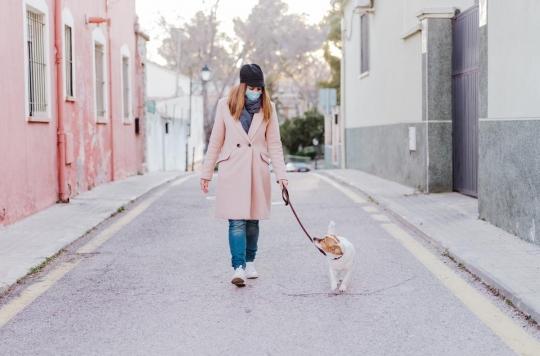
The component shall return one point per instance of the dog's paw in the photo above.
(333, 287)
(342, 288)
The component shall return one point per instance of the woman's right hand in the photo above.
(204, 185)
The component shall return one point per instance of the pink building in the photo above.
(71, 95)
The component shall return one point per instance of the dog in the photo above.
(340, 254)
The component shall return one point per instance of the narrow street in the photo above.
(155, 280)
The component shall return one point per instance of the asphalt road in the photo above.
(160, 285)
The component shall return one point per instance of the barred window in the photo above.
(126, 90)
(364, 43)
(99, 54)
(37, 64)
(68, 38)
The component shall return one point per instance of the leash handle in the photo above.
(285, 196)
(287, 201)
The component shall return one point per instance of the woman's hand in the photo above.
(204, 185)
(283, 183)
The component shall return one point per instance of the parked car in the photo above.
(297, 167)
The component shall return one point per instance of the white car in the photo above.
(297, 167)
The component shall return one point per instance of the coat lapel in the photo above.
(240, 128)
(255, 123)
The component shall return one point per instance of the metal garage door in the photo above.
(465, 73)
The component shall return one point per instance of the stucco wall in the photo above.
(514, 50)
(28, 150)
(392, 91)
(28, 179)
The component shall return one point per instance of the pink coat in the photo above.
(243, 185)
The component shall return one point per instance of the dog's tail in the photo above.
(332, 228)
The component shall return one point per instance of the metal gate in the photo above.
(465, 74)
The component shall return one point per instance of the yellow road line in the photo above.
(370, 209)
(109, 232)
(503, 326)
(32, 292)
(380, 217)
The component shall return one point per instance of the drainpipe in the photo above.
(109, 45)
(60, 132)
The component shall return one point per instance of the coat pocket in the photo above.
(265, 157)
(223, 156)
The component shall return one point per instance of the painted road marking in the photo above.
(503, 326)
(32, 292)
(370, 209)
(353, 196)
(109, 232)
(380, 217)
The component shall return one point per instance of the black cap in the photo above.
(252, 75)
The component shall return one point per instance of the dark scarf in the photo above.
(250, 108)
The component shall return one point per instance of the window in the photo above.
(68, 41)
(37, 64)
(99, 62)
(126, 84)
(364, 43)
(126, 90)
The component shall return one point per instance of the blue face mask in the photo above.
(252, 95)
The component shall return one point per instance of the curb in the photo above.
(5, 287)
(491, 282)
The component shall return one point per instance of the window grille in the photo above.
(37, 64)
(364, 43)
(125, 84)
(100, 79)
(69, 61)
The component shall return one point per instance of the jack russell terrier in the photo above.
(340, 254)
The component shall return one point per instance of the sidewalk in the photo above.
(27, 243)
(450, 221)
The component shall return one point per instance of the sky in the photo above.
(149, 12)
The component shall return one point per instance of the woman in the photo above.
(244, 138)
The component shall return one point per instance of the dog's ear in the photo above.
(331, 228)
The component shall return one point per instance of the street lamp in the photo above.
(316, 144)
(206, 74)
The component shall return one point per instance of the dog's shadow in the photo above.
(346, 293)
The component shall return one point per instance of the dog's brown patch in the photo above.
(330, 244)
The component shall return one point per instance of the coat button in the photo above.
(249, 144)
(237, 145)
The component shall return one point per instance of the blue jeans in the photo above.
(243, 236)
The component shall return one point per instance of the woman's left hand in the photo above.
(283, 183)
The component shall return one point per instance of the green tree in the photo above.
(298, 133)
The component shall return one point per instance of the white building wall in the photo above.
(170, 93)
(513, 59)
(391, 92)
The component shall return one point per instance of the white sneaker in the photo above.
(251, 272)
(239, 277)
